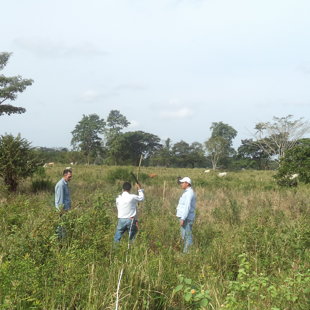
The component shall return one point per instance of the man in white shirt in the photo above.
(126, 204)
(186, 212)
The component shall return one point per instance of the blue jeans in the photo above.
(124, 225)
(186, 234)
(61, 232)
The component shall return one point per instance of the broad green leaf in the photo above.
(187, 296)
(204, 302)
(178, 288)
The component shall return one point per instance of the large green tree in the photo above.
(220, 129)
(163, 156)
(10, 87)
(86, 136)
(216, 149)
(219, 146)
(127, 148)
(188, 155)
(18, 160)
(250, 155)
(295, 161)
(115, 123)
(197, 156)
(181, 154)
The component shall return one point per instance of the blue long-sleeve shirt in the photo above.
(187, 205)
(62, 195)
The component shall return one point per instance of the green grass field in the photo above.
(251, 244)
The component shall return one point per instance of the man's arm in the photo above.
(140, 196)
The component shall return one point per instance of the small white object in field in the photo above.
(222, 174)
(294, 176)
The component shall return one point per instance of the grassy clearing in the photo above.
(251, 246)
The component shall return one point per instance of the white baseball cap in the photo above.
(186, 179)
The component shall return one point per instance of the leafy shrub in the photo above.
(17, 160)
(124, 174)
(296, 160)
(193, 294)
(259, 291)
(118, 174)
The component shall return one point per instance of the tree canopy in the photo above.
(126, 148)
(219, 146)
(10, 87)
(276, 137)
(252, 155)
(295, 161)
(86, 135)
(116, 122)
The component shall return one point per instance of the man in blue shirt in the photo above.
(62, 193)
(186, 212)
(63, 199)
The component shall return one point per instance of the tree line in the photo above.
(99, 141)
(96, 140)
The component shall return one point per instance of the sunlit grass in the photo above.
(245, 213)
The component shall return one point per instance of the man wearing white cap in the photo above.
(186, 212)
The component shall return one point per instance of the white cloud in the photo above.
(174, 102)
(176, 114)
(89, 96)
(130, 86)
(304, 68)
(50, 48)
(133, 124)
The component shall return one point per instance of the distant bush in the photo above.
(17, 160)
(124, 174)
(295, 161)
(118, 174)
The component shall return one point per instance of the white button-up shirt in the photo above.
(126, 204)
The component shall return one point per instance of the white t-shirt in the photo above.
(127, 204)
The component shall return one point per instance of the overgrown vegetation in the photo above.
(251, 245)
(295, 165)
(17, 160)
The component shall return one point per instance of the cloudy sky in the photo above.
(172, 67)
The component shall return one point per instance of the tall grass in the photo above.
(251, 244)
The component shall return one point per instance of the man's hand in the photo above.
(181, 222)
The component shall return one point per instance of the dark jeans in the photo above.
(124, 225)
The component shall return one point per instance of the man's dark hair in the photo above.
(126, 186)
(66, 171)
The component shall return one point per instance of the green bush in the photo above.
(124, 174)
(118, 174)
(17, 160)
(295, 161)
(260, 291)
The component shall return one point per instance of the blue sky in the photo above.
(172, 67)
